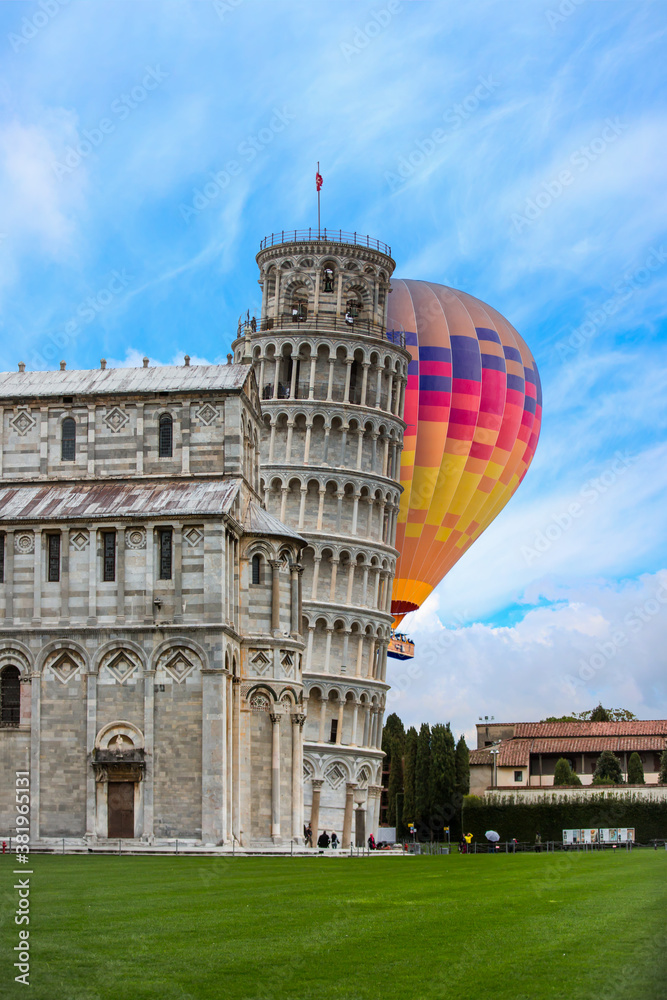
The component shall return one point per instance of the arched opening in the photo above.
(166, 436)
(10, 696)
(68, 440)
(257, 567)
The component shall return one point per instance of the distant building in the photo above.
(526, 752)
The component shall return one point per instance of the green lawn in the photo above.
(524, 927)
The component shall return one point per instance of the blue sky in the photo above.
(511, 149)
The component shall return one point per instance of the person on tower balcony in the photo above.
(349, 318)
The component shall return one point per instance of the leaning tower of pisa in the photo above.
(332, 383)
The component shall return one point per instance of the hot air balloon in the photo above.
(473, 409)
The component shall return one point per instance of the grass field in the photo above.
(525, 927)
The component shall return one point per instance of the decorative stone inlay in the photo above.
(193, 537)
(25, 542)
(207, 413)
(135, 538)
(308, 770)
(64, 664)
(80, 540)
(364, 777)
(287, 663)
(261, 662)
(178, 664)
(260, 703)
(120, 665)
(23, 422)
(115, 419)
(335, 776)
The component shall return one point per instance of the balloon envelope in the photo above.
(473, 408)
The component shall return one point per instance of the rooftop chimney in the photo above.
(186, 360)
(63, 366)
(21, 366)
(229, 358)
(145, 362)
(103, 363)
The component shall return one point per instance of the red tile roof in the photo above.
(638, 727)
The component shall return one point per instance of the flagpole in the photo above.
(318, 203)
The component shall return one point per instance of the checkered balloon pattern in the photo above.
(473, 407)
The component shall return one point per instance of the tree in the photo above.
(600, 714)
(442, 778)
(635, 770)
(564, 774)
(462, 767)
(393, 729)
(422, 769)
(608, 769)
(395, 786)
(409, 764)
(663, 768)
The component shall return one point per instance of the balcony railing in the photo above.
(323, 236)
(323, 321)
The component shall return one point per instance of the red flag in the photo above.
(318, 180)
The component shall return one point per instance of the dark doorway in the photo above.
(120, 805)
(360, 828)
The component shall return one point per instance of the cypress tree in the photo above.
(462, 767)
(438, 772)
(395, 786)
(608, 769)
(409, 765)
(393, 729)
(635, 770)
(663, 768)
(422, 769)
(564, 775)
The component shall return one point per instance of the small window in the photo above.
(166, 447)
(518, 775)
(10, 697)
(334, 731)
(68, 440)
(256, 569)
(109, 555)
(53, 571)
(165, 540)
(2, 558)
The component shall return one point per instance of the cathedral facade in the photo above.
(196, 572)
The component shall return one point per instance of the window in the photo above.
(108, 555)
(334, 731)
(68, 440)
(165, 536)
(2, 558)
(256, 569)
(166, 444)
(53, 568)
(10, 697)
(518, 775)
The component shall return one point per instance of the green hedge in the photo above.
(524, 819)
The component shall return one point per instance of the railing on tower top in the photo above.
(323, 321)
(323, 236)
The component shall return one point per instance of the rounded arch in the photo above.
(106, 648)
(62, 645)
(175, 643)
(120, 728)
(14, 653)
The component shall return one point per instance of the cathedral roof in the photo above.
(113, 500)
(130, 381)
(258, 521)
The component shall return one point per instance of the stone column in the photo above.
(311, 381)
(91, 440)
(348, 375)
(64, 576)
(332, 362)
(140, 439)
(37, 577)
(298, 720)
(309, 651)
(341, 720)
(323, 718)
(275, 778)
(275, 595)
(295, 624)
(315, 808)
(10, 542)
(35, 755)
(178, 574)
(364, 381)
(149, 752)
(236, 759)
(349, 810)
(91, 733)
(213, 763)
(290, 433)
(149, 569)
(355, 721)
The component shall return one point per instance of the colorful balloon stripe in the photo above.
(473, 408)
